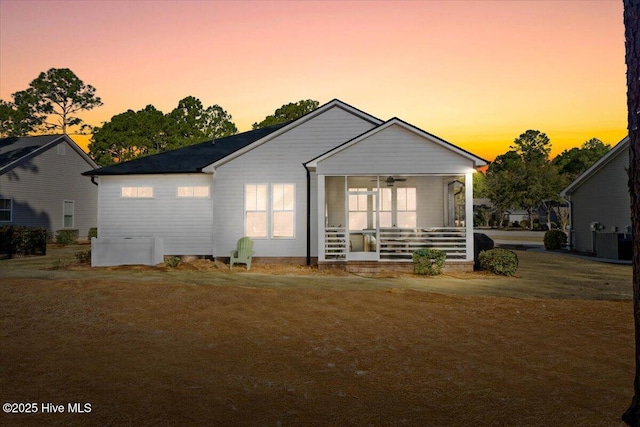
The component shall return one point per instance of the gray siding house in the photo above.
(41, 184)
(337, 187)
(601, 207)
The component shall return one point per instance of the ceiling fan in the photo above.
(391, 180)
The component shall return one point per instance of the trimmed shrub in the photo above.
(524, 224)
(17, 240)
(83, 257)
(499, 261)
(555, 239)
(429, 261)
(172, 261)
(481, 242)
(93, 232)
(67, 237)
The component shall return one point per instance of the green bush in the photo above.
(67, 237)
(171, 261)
(93, 232)
(429, 261)
(555, 239)
(83, 257)
(524, 224)
(17, 240)
(499, 261)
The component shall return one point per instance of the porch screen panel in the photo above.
(406, 210)
(358, 210)
(256, 210)
(386, 207)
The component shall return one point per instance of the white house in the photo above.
(601, 207)
(337, 186)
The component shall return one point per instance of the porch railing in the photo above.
(398, 244)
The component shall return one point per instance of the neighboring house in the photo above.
(337, 186)
(41, 184)
(600, 206)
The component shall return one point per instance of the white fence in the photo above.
(112, 251)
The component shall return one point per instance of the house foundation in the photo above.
(380, 266)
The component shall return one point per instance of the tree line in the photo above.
(523, 177)
(53, 100)
(526, 178)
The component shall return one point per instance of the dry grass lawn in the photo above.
(201, 346)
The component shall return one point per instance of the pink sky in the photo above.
(476, 73)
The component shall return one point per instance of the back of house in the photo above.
(312, 190)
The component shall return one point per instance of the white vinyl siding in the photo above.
(5, 210)
(394, 150)
(184, 224)
(67, 214)
(281, 160)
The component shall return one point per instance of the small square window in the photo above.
(5, 210)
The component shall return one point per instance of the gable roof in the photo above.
(14, 150)
(478, 162)
(190, 159)
(599, 164)
(335, 103)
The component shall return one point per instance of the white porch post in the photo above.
(468, 213)
(320, 221)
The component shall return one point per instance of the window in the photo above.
(201, 192)
(282, 206)
(67, 214)
(137, 192)
(255, 205)
(276, 218)
(406, 207)
(5, 210)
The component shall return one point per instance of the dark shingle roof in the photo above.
(13, 149)
(190, 159)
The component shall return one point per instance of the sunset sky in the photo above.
(476, 73)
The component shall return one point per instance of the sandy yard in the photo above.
(198, 345)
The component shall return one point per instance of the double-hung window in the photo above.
(255, 202)
(282, 207)
(5, 210)
(269, 211)
(67, 213)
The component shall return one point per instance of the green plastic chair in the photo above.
(243, 254)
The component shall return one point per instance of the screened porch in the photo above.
(387, 218)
